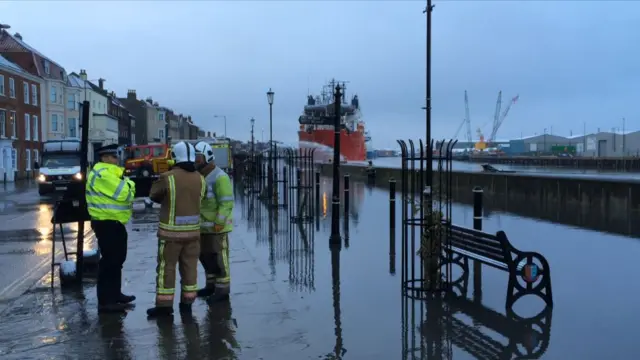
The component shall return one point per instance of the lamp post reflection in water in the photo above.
(338, 349)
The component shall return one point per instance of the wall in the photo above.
(609, 144)
(22, 139)
(155, 122)
(55, 107)
(73, 96)
(543, 143)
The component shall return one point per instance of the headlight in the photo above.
(78, 176)
(42, 178)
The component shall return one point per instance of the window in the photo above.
(25, 89)
(54, 94)
(3, 123)
(14, 159)
(2, 85)
(161, 134)
(54, 122)
(27, 127)
(160, 117)
(28, 159)
(12, 88)
(47, 67)
(71, 102)
(36, 156)
(158, 151)
(34, 95)
(71, 127)
(133, 139)
(13, 119)
(36, 128)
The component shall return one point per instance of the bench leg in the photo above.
(532, 270)
(461, 261)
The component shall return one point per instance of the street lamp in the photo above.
(225, 122)
(253, 122)
(270, 100)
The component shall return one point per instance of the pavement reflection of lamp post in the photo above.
(270, 172)
(335, 201)
(225, 122)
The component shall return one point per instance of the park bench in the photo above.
(497, 251)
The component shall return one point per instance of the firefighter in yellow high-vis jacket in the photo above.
(216, 222)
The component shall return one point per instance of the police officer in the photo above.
(109, 202)
(216, 224)
(179, 191)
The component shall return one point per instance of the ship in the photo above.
(318, 119)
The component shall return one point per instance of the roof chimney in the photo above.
(131, 95)
(149, 100)
(18, 36)
(83, 75)
(101, 83)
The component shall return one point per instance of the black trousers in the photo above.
(112, 240)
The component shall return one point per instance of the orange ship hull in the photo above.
(352, 146)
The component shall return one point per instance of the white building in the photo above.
(103, 128)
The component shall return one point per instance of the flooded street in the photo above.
(294, 296)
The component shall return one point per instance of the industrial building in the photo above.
(602, 144)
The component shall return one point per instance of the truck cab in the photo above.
(60, 166)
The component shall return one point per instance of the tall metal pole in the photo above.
(429, 181)
(271, 148)
(335, 202)
(84, 164)
(623, 137)
(253, 121)
(225, 125)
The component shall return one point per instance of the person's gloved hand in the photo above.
(218, 228)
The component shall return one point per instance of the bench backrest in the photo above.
(479, 242)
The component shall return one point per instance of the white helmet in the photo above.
(202, 148)
(183, 152)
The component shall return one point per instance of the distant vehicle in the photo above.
(145, 161)
(60, 165)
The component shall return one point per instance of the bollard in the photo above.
(477, 225)
(346, 195)
(477, 208)
(392, 203)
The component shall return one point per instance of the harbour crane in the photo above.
(466, 120)
(498, 118)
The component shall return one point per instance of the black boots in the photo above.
(206, 291)
(159, 311)
(126, 299)
(217, 298)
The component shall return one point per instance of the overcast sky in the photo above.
(571, 62)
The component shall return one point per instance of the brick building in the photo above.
(20, 120)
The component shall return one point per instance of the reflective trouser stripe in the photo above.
(161, 289)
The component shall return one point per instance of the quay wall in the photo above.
(590, 163)
(603, 194)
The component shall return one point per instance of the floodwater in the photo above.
(396, 162)
(295, 296)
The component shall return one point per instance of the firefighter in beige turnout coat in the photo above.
(179, 191)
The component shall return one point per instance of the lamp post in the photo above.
(225, 122)
(335, 202)
(270, 100)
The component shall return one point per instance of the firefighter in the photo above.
(109, 198)
(216, 224)
(179, 191)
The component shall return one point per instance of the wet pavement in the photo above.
(26, 233)
(292, 296)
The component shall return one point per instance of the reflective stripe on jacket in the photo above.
(180, 193)
(217, 207)
(109, 195)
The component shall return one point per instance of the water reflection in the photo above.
(220, 330)
(433, 328)
(339, 350)
(114, 338)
